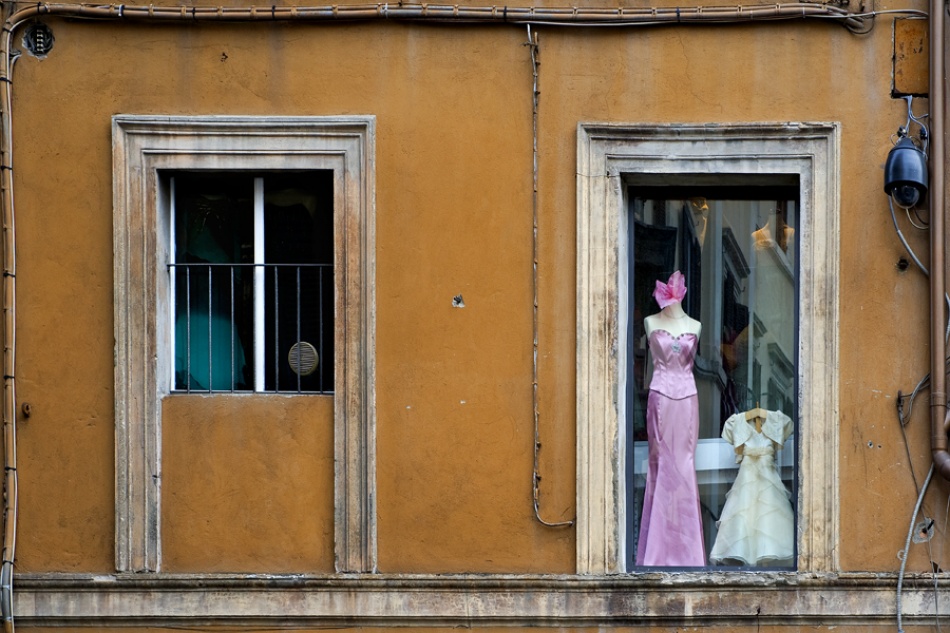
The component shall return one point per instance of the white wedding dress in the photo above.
(756, 526)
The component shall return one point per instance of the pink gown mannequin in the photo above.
(671, 530)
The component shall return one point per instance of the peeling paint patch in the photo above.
(458, 302)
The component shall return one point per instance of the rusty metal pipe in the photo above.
(939, 417)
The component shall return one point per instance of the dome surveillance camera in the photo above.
(906, 196)
(905, 174)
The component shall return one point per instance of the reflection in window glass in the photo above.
(712, 386)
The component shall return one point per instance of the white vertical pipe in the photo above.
(258, 284)
(174, 286)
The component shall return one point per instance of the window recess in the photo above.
(736, 245)
(251, 273)
(648, 174)
(325, 162)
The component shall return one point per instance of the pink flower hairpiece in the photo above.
(670, 292)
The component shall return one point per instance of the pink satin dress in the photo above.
(671, 529)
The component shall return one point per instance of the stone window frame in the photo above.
(144, 145)
(606, 154)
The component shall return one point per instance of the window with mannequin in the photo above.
(708, 252)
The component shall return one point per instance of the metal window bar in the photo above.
(276, 332)
(210, 337)
(299, 350)
(302, 290)
(231, 332)
(320, 318)
(188, 324)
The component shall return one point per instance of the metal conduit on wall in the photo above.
(451, 14)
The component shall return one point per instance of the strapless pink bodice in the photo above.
(673, 364)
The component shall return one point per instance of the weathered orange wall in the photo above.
(453, 214)
(247, 484)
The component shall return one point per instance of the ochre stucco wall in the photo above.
(247, 484)
(453, 216)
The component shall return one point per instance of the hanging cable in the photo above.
(913, 256)
(532, 45)
(920, 227)
(933, 571)
(904, 552)
(900, 235)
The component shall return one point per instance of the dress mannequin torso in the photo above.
(674, 320)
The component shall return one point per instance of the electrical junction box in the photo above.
(911, 57)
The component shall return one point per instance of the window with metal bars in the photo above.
(251, 272)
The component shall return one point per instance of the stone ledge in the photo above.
(668, 599)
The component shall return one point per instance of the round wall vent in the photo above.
(38, 39)
(303, 358)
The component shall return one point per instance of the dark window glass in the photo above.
(253, 286)
(710, 484)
